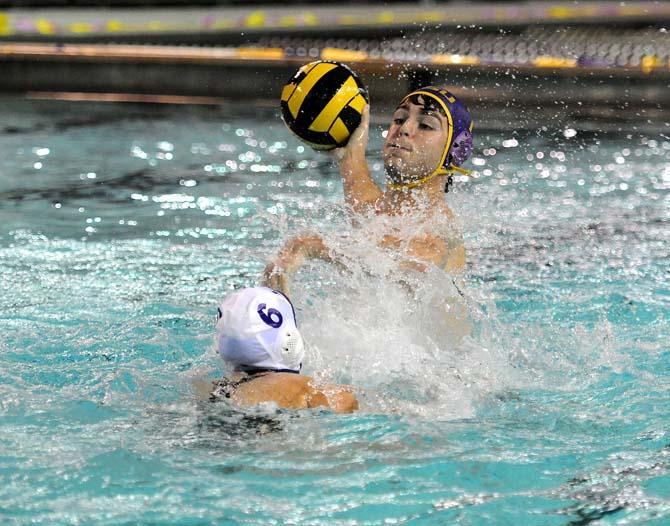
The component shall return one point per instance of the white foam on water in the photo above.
(409, 340)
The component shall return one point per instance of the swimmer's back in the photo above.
(291, 391)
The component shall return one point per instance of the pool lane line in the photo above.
(143, 98)
(139, 53)
(80, 96)
(252, 56)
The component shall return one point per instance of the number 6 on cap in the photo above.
(273, 317)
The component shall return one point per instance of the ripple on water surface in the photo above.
(124, 226)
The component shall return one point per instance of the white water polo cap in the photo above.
(256, 329)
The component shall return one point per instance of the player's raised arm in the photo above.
(360, 190)
(321, 104)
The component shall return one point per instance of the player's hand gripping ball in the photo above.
(322, 104)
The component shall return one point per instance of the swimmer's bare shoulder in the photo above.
(455, 259)
(292, 391)
(444, 250)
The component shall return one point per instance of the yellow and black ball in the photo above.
(322, 104)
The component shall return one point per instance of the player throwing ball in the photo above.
(429, 138)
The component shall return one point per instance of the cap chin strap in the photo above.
(440, 171)
(460, 170)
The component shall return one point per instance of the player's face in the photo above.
(415, 141)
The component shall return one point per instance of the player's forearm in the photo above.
(279, 273)
(360, 191)
(313, 247)
(277, 279)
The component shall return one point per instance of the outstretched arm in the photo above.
(296, 391)
(360, 191)
(278, 273)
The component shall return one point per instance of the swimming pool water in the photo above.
(122, 226)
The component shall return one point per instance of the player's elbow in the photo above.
(337, 399)
(344, 402)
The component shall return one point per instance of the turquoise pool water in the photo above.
(121, 227)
